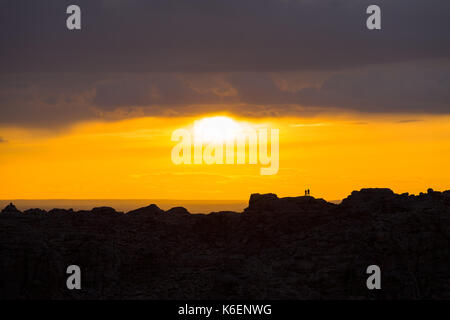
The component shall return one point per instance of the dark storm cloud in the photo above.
(149, 90)
(218, 35)
(249, 57)
(60, 99)
(404, 89)
(397, 88)
(45, 99)
(389, 89)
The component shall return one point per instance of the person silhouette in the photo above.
(308, 192)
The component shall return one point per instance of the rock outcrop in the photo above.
(35, 211)
(271, 203)
(105, 211)
(58, 211)
(178, 211)
(278, 248)
(152, 209)
(10, 209)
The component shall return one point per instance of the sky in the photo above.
(89, 114)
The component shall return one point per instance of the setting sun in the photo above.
(216, 130)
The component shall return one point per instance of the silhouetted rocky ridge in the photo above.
(277, 248)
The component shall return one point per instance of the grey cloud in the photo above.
(409, 120)
(248, 57)
(219, 36)
(150, 90)
(45, 100)
(390, 89)
(60, 99)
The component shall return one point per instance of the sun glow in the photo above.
(131, 159)
(216, 130)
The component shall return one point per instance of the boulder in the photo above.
(271, 203)
(152, 209)
(35, 211)
(368, 199)
(60, 211)
(261, 202)
(105, 211)
(178, 211)
(10, 209)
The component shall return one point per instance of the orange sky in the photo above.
(131, 159)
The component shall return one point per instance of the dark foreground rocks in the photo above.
(278, 248)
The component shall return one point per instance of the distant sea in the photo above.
(194, 206)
